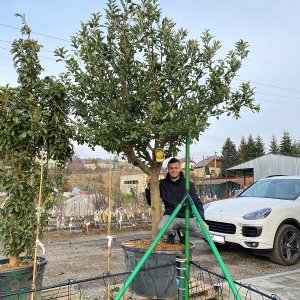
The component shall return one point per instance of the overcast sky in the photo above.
(271, 27)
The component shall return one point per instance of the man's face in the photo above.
(174, 170)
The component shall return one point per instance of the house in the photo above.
(208, 167)
(183, 164)
(134, 182)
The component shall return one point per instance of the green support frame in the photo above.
(188, 203)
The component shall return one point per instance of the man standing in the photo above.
(172, 191)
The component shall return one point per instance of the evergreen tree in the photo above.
(286, 144)
(229, 156)
(274, 147)
(242, 151)
(260, 147)
(251, 148)
(296, 148)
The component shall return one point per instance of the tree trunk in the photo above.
(14, 261)
(155, 200)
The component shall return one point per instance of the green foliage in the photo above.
(138, 83)
(32, 117)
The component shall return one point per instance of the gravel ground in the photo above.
(80, 256)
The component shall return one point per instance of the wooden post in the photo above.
(109, 237)
(38, 212)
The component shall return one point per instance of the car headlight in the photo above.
(258, 214)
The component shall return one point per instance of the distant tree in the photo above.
(286, 144)
(93, 161)
(259, 147)
(296, 148)
(229, 156)
(242, 151)
(274, 147)
(251, 148)
(138, 83)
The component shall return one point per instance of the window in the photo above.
(131, 182)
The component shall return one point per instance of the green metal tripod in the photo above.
(188, 202)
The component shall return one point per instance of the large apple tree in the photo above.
(138, 83)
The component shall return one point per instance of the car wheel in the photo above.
(286, 245)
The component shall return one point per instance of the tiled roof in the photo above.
(206, 161)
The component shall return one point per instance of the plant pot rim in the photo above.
(143, 250)
(41, 260)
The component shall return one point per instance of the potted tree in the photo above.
(33, 116)
(139, 84)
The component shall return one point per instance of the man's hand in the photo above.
(206, 226)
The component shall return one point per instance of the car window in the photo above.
(286, 189)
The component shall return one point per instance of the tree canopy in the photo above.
(138, 83)
(33, 116)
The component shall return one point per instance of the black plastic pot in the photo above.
(157, 282)
(18, 281)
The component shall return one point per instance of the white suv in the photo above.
(265, 218)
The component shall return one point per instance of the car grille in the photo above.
(250, 231)
(221, 227)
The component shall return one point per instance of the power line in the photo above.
(268, 85)
(37, 33)
(280, 102)
(275, 95)
(40, 56)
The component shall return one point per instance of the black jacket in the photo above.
(172, 193)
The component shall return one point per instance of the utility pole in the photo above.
(215, 175)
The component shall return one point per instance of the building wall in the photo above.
(271, 164)
(136, 181)
(90, 166)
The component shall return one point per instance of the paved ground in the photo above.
(286, 285)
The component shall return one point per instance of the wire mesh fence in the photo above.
(204, 284)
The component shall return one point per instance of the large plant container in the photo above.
(14, 283)
(156, 282)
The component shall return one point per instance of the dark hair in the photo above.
(173, 160)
